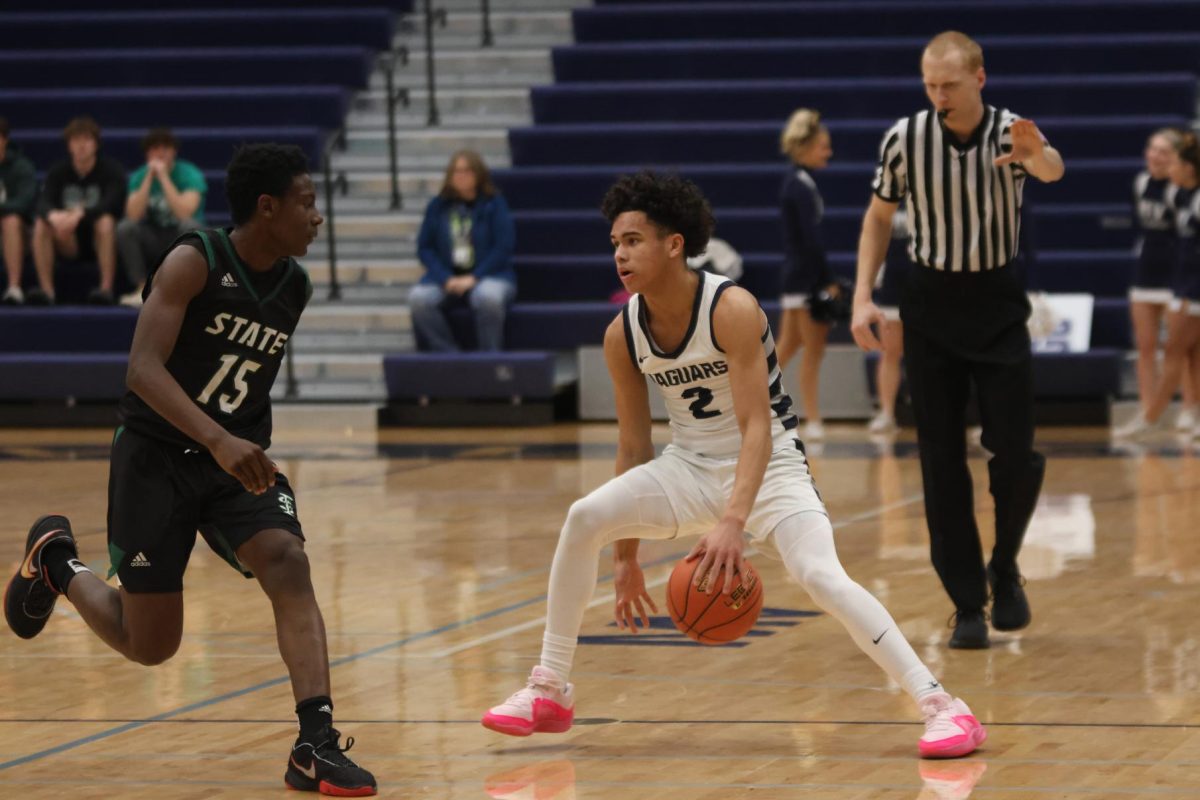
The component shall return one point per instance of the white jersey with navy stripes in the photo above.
(694, 379)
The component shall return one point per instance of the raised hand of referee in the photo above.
(1027, 144)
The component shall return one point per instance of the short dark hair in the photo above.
(3, 128)
(258, 169)
(82, 126)
(159, 137)
(674, 204)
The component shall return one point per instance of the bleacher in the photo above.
(232, 72)
(706, 91)
(701, 86)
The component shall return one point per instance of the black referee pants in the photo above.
(939, 380)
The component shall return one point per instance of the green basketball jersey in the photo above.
(231, 344)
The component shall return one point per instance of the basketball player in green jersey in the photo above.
(190, 455)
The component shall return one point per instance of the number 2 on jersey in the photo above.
(703, 397)
(225, 402)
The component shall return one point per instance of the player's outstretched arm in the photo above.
(738, 326)
(181, 278)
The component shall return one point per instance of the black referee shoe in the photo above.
(1010, 607)
(29, 597)
(970, 631)
(324, 768)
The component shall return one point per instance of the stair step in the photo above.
(475, 102)
(391, 225)
(364, 249)
(461, 66)
(359, 342)
(366, 367)
(440, 141)
(415, 77)
(299, 420)
(364, 292)
(506, 6)
(506, 25)
(355, 318)
(376, 202)
(389, 283)
(414, 120)
(372, 160)
(334, 391)
(390, 278)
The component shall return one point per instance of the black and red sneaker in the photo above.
(324, 767)
(29, 597)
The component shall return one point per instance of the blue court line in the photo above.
(96, 737)
(417, 637)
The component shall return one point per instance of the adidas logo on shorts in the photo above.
(228, 281)
(140, 560)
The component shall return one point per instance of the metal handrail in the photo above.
(488, 41)
(292, 389)
(336, 141)
(388, 63)
(430, 79)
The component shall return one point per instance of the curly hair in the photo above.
(672, 203)
(258, 169)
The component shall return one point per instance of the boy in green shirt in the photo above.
(166, 199)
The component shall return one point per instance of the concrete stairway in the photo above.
(481, 92)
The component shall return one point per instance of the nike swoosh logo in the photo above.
(876, 641)
(310, 772)
(27, 565)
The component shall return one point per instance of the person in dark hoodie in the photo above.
(82, 199)
(18, 191)
(466, 246)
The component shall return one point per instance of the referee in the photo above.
(960, 167)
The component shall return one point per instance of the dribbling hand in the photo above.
(721, 551)
(630, 584)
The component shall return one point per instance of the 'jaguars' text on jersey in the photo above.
(694, 380)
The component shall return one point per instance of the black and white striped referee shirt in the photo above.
(964, 213)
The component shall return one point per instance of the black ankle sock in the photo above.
(61, 565)
(316, 714)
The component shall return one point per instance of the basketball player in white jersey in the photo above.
(734, 470)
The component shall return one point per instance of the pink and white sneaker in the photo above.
(951, 730)
(545, 705)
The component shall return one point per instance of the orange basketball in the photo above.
(717, 618)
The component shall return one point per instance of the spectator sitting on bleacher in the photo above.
(18, 191)
(77, 213)
(166, 199)
(466, 246)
